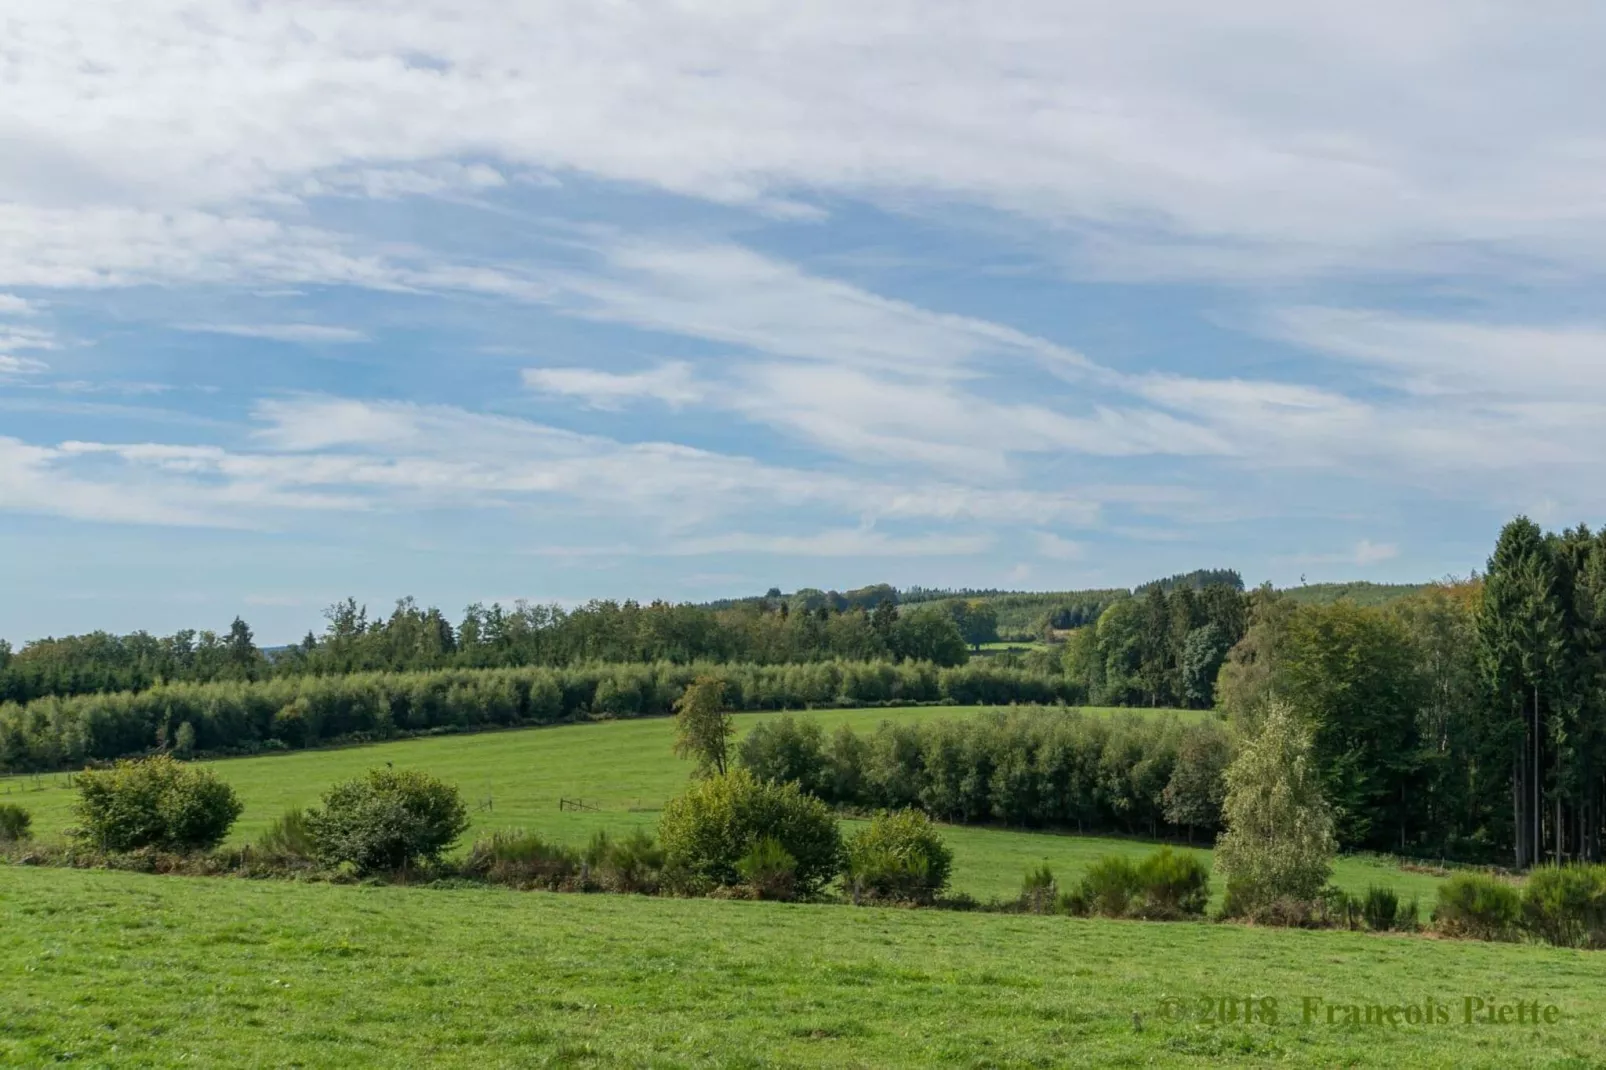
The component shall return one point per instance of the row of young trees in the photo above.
(302, 711)
(1139, 775)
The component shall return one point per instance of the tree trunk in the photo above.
(1516, 805)
(1534, 844)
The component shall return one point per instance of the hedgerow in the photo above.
(304, 711)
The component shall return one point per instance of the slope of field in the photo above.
(104, 969)
(625, 770)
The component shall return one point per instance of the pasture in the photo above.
(625, 771)
(118, 969)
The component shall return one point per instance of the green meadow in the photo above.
(123, 970)
(529, 778)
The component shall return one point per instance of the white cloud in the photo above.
(871, 379)
(96, 246)
(1437, 357)
(1363, 554)
(322, 453)
(311, 333)
(1059, 549)
(733, 295)
(10, 365)
(671, 383)
(939, 424)
(434, 178)
(842, 543)
(113, 386)
(12, 305)
(1416, 132)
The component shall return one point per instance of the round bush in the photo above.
(1479, 906)
(155, 802)
(1566, 905)
(387, 820)
(899, 858)
(15, 823)
(708, 831)
(1173, 885)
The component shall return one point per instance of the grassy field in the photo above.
(1019, 647)
(516, 779)
(113, 969)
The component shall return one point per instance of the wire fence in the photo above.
(21, 783)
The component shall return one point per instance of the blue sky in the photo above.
(481, 301)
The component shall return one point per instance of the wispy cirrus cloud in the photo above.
(671, 383)
(1072, 115)
(1364, 554)
(319, 453)
(308, 333)
(854, 542)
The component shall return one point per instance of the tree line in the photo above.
(1055, 768)
(413, 638)
(288, 712)
(864, 624)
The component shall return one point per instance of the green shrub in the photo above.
(768, 870)
(1110, 885)
(1340, 908)
(388, 820)
(1038, 891)
(785, 749)
(717, 822)
(1173, 885)
(522, 860)
(1479, 906)
(1410, 916)
(1380, 908)
(898, 857)
(633, 864)
(288, 837)
(1566, 905)
(15, 823)
(156, 802)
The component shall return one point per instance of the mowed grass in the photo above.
(1018, 646)
(516, 779)
(114, 969)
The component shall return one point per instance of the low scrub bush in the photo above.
(288, 838)
(1342, 909)
(1380, 908)
(768, 870)
(388, 820)
(523, 860)
(16, 824)
(898, 858)
(718, 822)
(156, 802)
(1039, 891)
(1172, 885)
(1479, 906)
(1288, 912)
(1109, 886)
(632, 864)
(1566, 905)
